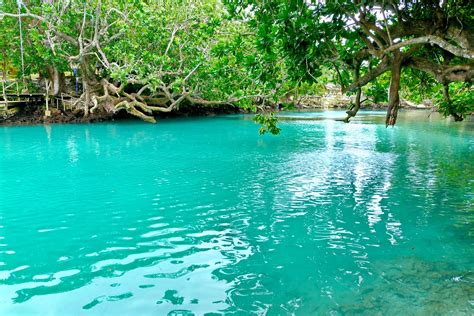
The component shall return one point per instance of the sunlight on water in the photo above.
(194, 216)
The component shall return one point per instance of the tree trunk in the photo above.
(353, 111)
(393, 92)
(87, 97)
(457, 117)
(88, 84)
(57, 80)
(4, 72)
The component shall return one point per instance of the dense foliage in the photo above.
(431, 41)
(142, 57)
(154, 56)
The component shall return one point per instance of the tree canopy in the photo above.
(362, 40)
(141, 57)
(154, 56)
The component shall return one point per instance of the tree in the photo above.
(145, 57)
(362, 40)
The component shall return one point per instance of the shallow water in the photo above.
(196, 216)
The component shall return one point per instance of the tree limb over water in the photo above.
(436, 38)
(150, 57)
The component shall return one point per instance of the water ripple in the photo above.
(189, 217)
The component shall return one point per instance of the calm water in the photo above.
(196, 216)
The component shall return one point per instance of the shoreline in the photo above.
(32, 117)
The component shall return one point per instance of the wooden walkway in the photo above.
(11, 103)
(20, 100)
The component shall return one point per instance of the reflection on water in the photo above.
(194, 216)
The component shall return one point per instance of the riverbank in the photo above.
(36, 115)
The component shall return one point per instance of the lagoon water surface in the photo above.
(204, 216)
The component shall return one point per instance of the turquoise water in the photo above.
(203, 215)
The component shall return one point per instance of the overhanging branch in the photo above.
(431, 39)
(382, 67)
(443, 73)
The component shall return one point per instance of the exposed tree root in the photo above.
(111, 98)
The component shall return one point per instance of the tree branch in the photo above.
(443, 73)
(382, 67)
(51, 27)
(431, 39)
